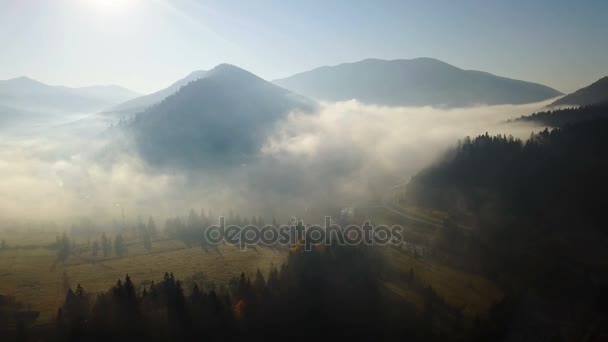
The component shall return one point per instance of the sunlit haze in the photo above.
(342, 170)
(145, 45)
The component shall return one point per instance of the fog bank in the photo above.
(345, 153)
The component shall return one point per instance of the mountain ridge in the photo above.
(27, 93)
(140, 103)
(595, 93)
(416, 82)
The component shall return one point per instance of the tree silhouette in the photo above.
(95, 249)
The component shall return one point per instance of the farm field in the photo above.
(32, 277)
(30, 273)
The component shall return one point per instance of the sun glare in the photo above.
(112, 6)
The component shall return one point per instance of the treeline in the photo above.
(191, 230)
(106, 246)
(562, 117)
(556, 177)
(330, 292)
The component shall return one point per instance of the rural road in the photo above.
(410, 217)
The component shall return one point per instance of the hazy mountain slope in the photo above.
(595, 93)
(109, 93)
(220, 119)
(414, 82)
(9, 115)
(26, 93)
(566, 116)
(141, 103)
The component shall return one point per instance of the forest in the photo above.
(526, 215)
(561, 117)
(538, 208)
(333, 292)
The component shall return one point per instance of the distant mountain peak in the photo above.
(222, 118)
(29, 94)
(226, 67)
(222, 73)
(24, 80)
(413, 82)
(231, 72)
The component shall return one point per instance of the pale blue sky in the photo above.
(147, 44)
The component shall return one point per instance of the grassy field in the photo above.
(471, 292)
(29, 273)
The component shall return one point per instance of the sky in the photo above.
(145, 45)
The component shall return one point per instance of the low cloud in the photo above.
(351, 150)
(344, 153)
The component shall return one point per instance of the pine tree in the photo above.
(273, 279)
(129, 289)
(119, 246)
(243, 286)
(147, 241)
(152, 228)
(95, 249)
(80, 291)
(259, 283)
(105, 246)
(64, 248)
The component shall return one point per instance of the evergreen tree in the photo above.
(105, 246)
(147, 241)
(119, 246)
(64, 248)
(152, 228)
(95, 249)
(259, 283)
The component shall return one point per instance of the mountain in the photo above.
(595, 93)
(139, 104)
(27, 94)
(220, 119)
(413, 82)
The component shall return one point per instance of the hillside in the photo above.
(222, 118)
(594, 93)
(141, 103)
(537, 217)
